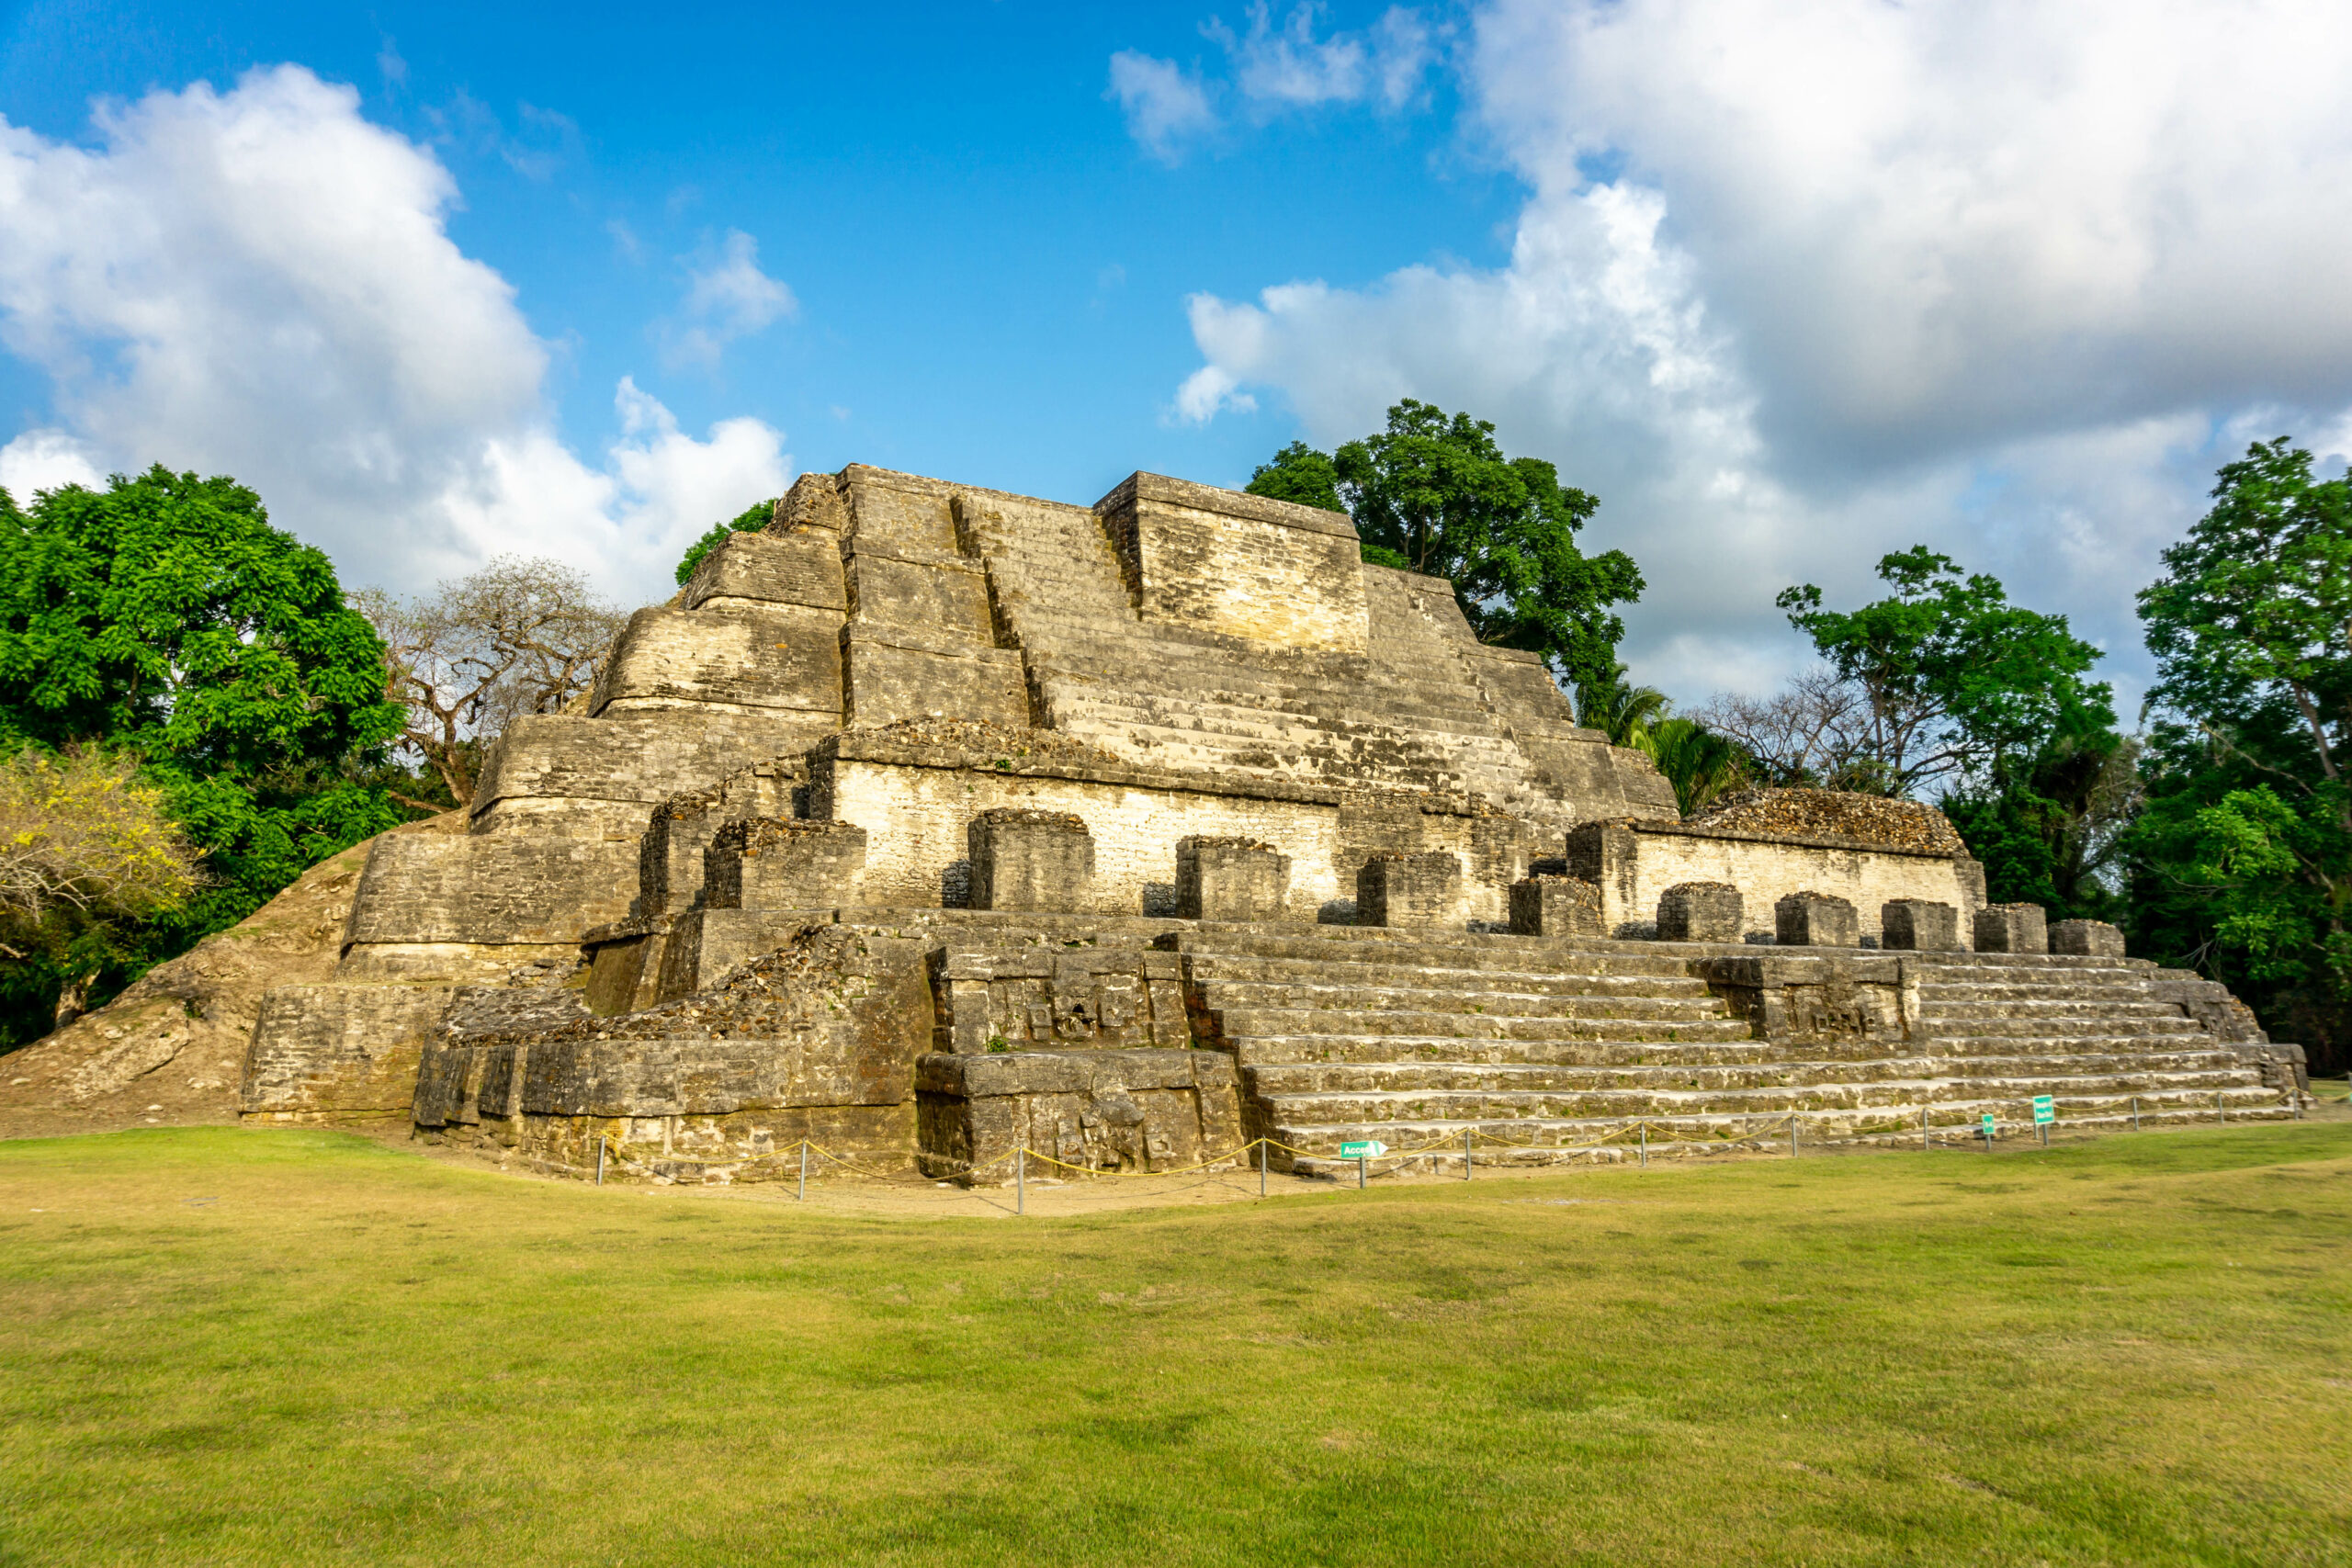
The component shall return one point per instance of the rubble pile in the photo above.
(1835, 814)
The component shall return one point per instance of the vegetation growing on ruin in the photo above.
(1434, 493)
(241, 1347)
(165, 619)
(751, 520)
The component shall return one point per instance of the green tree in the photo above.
(2244, 856)
(1702, 765)
(751, 520)
(2049, 827)
(1618, 709)
(1434, 493)
(1959, 682)
(164, 617)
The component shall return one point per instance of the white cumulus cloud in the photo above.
(37, 460)
(1289, 67)
(1799, 284)
(1166, 107)
(727, 297)
(260, 282)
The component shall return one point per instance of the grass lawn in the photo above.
(226, 1346)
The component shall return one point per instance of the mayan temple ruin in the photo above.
(931, 822)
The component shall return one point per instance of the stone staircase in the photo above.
(1411, 716)
(1543, 1049)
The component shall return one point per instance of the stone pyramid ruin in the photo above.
(933, 822)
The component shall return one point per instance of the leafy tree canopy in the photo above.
(2251, 623)
(1958, 679)
(2242, 862)
(751, 520)
(1434, 493)
(163, 616)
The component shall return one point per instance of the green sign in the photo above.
(1988, 1124)
(2046, 1110)
(1371, 1148)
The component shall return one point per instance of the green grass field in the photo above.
(226, 1346)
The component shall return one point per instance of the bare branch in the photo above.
(518, 637)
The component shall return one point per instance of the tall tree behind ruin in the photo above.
(1957, 682)
(2241, 861)
(163, 618)
(1434, 493)
(518, 637)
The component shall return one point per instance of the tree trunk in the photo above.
(72, 999)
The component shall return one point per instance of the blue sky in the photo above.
(990, 272)
(1789, 288)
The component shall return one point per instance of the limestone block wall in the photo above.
(339, 1053)
(552, 773)
(746, 660)
(1635, 864)
(1009, 999)
(1142, 1110)
(916, 805)
(916, 814)
(1226, 561)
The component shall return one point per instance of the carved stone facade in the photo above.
(932, 823)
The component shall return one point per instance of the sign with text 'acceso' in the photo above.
(1371, 1148)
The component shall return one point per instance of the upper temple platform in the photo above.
(1170, 625)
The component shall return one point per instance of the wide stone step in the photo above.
(1396, 1077)
(1940, 968)
(1373, 1108)
(1617, 1049)
(1435, 1144)
(1232, 996)
(1333, 945)
(1220, 968)
(2060, 987)
(1237, 1022)
(1277, 758)
(1465, 720)
(2046, 1007)
(1257, 1051)
(2123, 1027)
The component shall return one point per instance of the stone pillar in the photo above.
(1604, 854)
(2086, 938)
(1916, 925)
(2012, 927)
(1026, 859)
(1410, 890)
(1230, 879)
(767, 862)
(1815, 920)
(1555, 905)
(1699, 911)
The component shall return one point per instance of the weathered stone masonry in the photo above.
(930, 821)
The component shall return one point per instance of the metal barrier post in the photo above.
(1262, 1167)
(1021, 1180)
(804, 1170)
(1792, 1135)
(2135, 1112)
(1645, 1145)
(1923, 1128)
(600, 1162)
(1465, 1154)
(1361, 1161)
(2220, 1110)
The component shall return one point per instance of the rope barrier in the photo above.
(1389, 1162)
